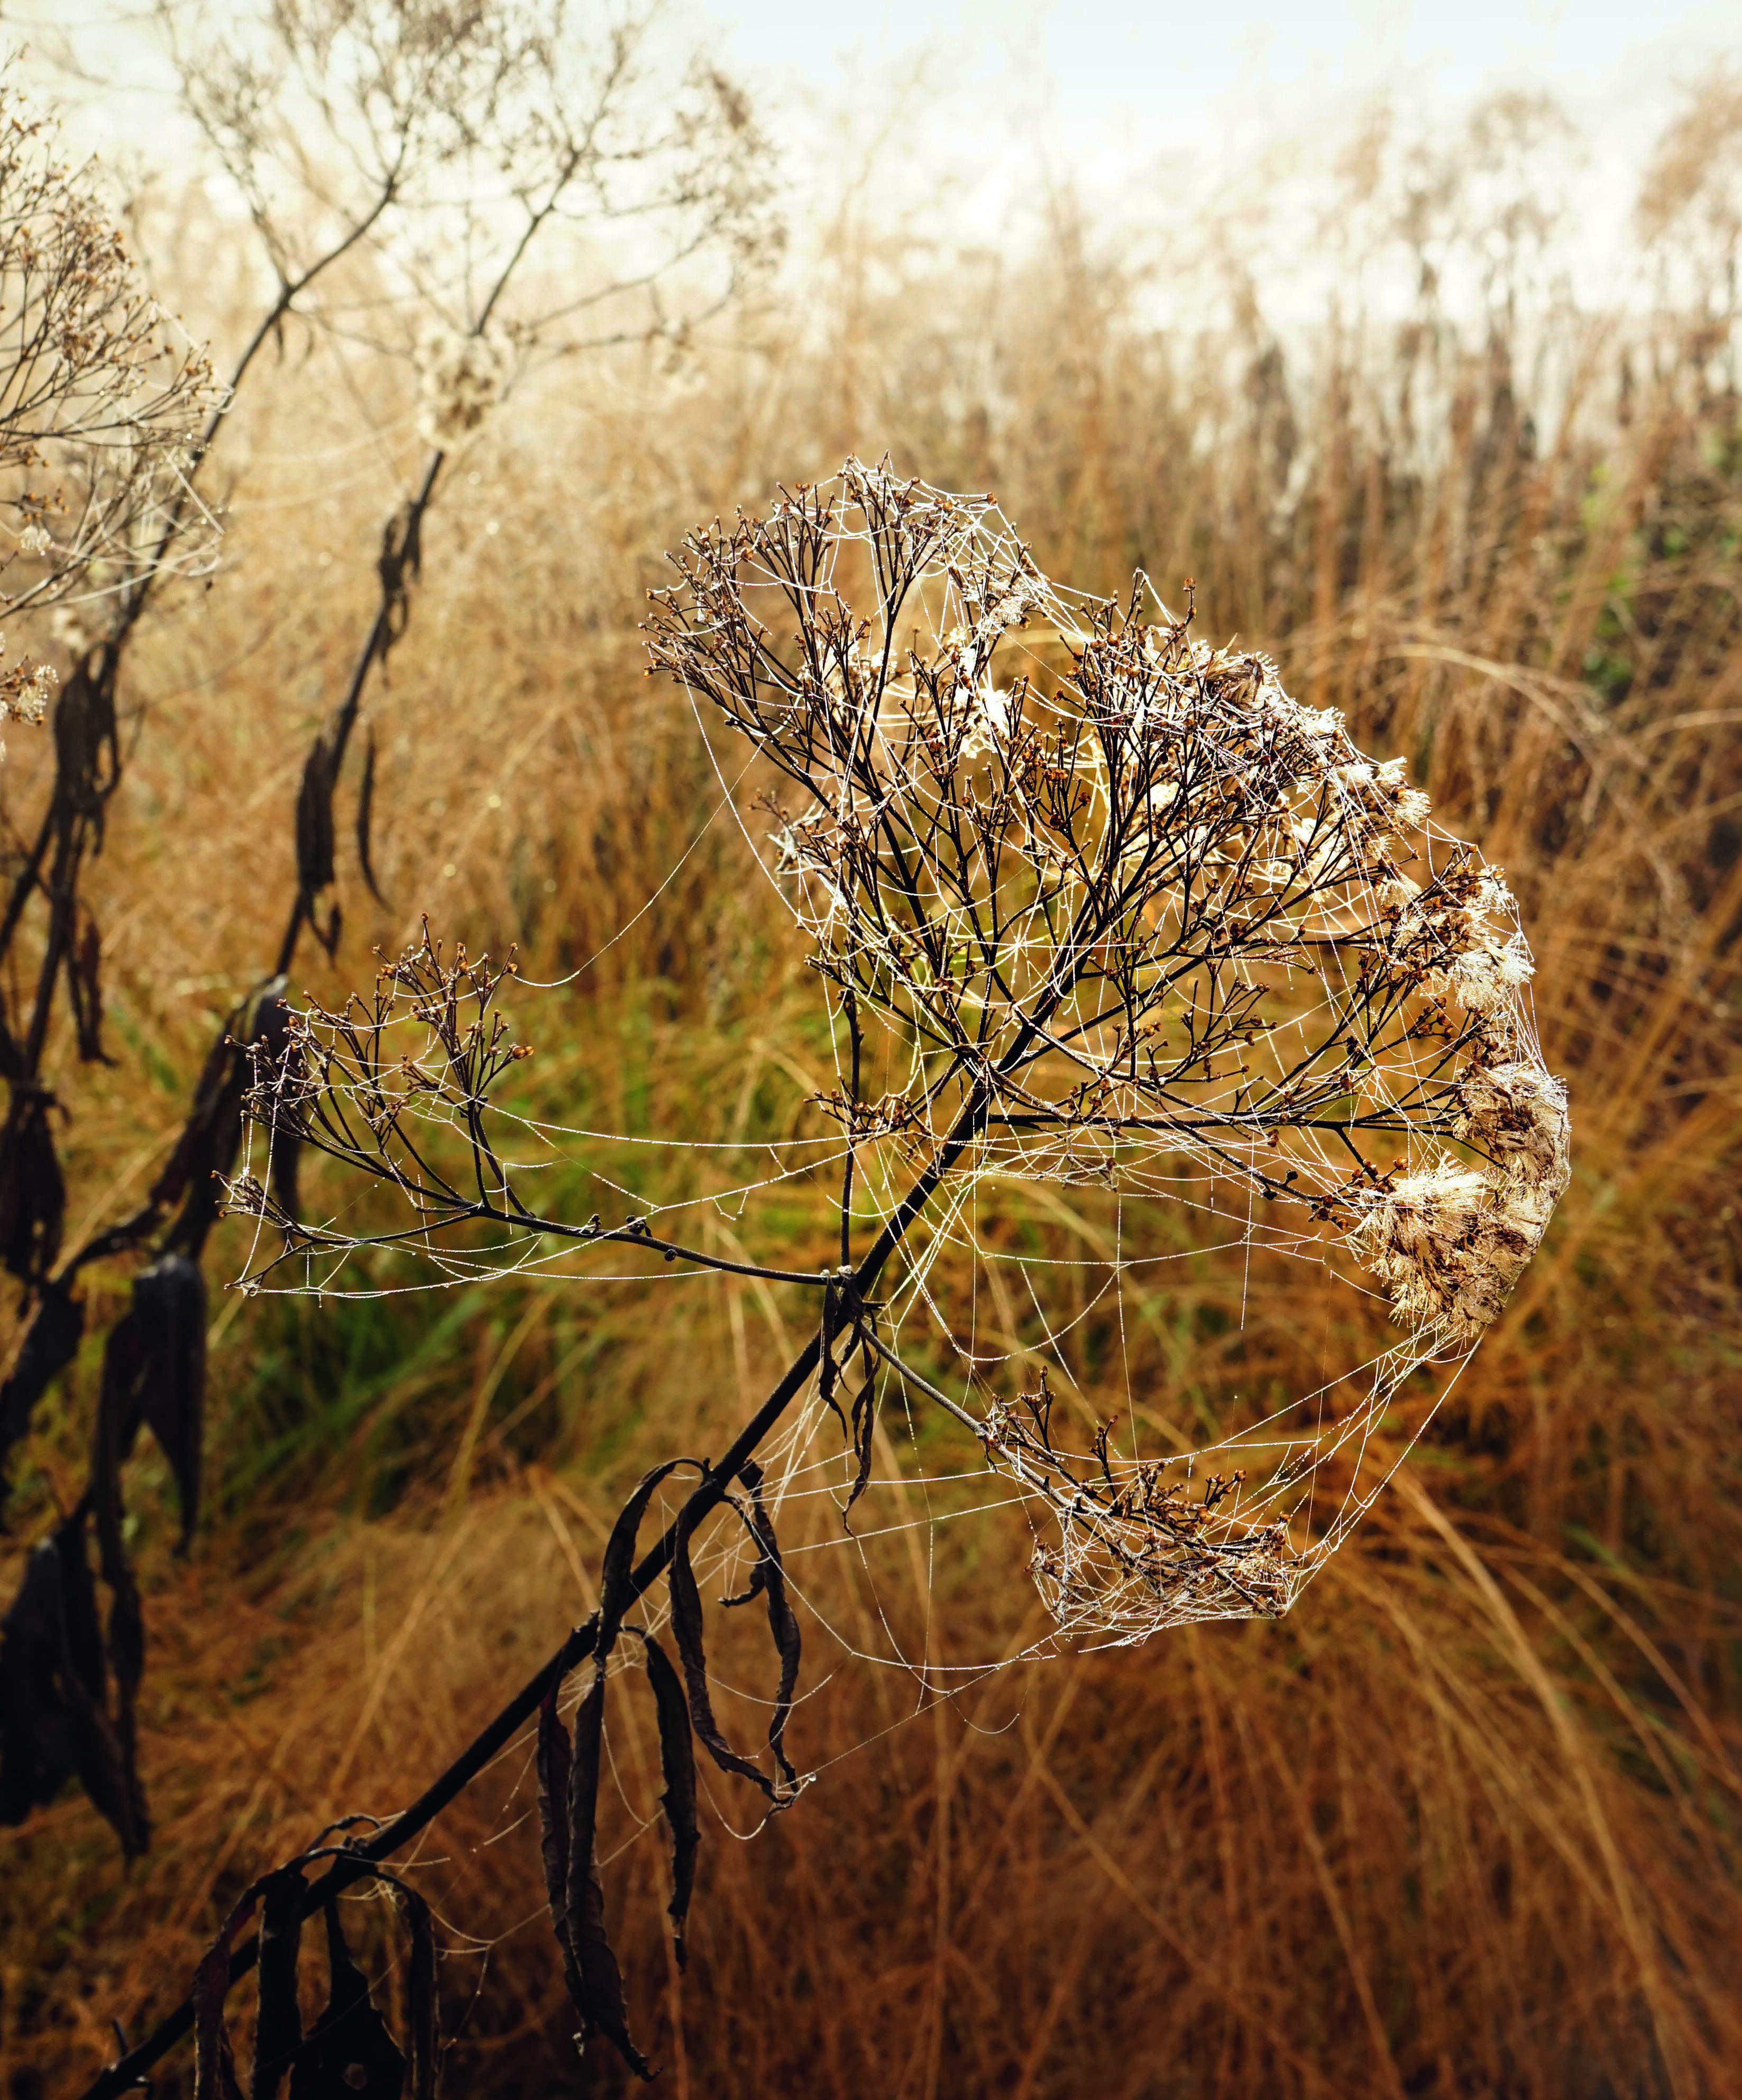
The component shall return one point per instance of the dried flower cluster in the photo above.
(1140, 918)
(1135, 1549)
(461, 377)
(1451, 1240)
(24, 693)
(102, 400)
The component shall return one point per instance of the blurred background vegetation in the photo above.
(1469, 1820)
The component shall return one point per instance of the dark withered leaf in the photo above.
(280, 2030)
(116, 1420)
(400, 561)
(826, 1371)
(51, 1343)
(677, 1769)
(212, 1135)
(87, 746)
(751, 1589)
(32, 1192)
(686, 1626)
(329, 935)
(211, 1141)
(38, 1707)
(216, 1104)
(314, 869)
(619, 1557)
(349, 2051)
(123, 1378)
(126, 1636)
(168, 1304)
(554, 1832)
(101, 1757)
(112, 1435)
(782, 1621)
(601, 2002)
(420, 1996)
(864, 1421)
(214, 2062)
(365, 818)
(82, 1661)
(53, 1715)
(34, 1725)
(85, 990)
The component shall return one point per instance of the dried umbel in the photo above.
(25, 691)
(462, 377)
(103, 402)
(1139, 918)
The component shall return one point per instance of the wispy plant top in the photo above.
(102, 401)
(441, 138)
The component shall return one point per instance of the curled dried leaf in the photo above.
(32, 1191)
(365, 818)
(349, 2055)
(687, 1628)
(677, 1769)
(601, 2003)
(614, 1597)
(315, 866)
(53, 1683)
(51, 1343)
(213, 2063)
(168, 1305)
(85, 990)
(554, 1762)
(783, 1622)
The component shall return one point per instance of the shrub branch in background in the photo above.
(414, 106)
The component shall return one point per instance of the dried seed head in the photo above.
(1486, 975)
(25, 691)
(463, 376)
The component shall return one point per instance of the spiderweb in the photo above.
(1095, 905)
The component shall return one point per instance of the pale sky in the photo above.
(1095, 52)
(1127, 79)
(1139, 104)
(1102, 94)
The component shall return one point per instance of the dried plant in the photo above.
(104, 411)
(1140, 918)
(1129, 914)
(1126, 912)
(483, 127)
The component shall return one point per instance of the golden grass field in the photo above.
(1466, 1822)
